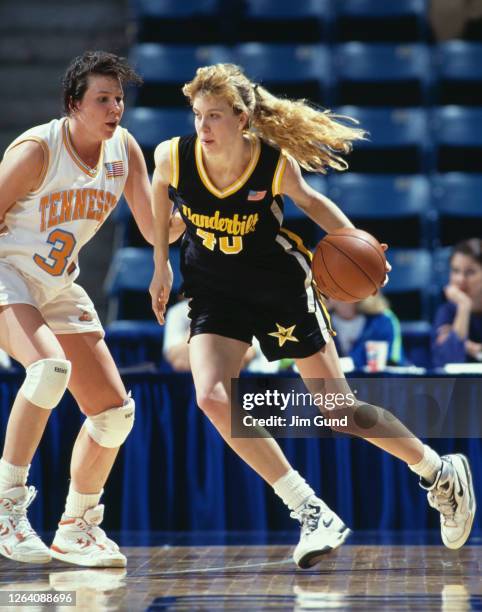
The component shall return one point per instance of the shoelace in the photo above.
(309, 517)
(446, 505)
(19, 514)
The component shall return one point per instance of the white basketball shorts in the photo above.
(67, 310)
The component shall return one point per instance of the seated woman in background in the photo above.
(370, 319)
(457, 328)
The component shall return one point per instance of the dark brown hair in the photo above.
(471, 247)
(75, 79)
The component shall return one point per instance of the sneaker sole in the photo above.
(45, 558)
(468, 527)
(77, 559)
(315, 556)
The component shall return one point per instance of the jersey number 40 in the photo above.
(227, 244)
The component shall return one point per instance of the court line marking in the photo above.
(221, 568)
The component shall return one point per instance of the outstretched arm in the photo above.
(318, 207)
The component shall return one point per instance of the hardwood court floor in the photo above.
(240, 578)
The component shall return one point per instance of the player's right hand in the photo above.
(457, 296)
(160, 290)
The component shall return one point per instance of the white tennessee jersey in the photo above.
(47, 229)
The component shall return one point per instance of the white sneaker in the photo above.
(80, 540)
(452, 494)
(18, 541)
(321, 532)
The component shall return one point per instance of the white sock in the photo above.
(12, 475)
(293, 489)
(78, 503)
(429, 466)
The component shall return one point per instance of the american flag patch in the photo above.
(255, 196)
(114, 169)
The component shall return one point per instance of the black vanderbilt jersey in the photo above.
(234, 240)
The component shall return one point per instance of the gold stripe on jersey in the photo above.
(174, 155)
(228, 191)
(92, 172)
(278, 175)
(299, 243)
(46, 160)
(321, 301)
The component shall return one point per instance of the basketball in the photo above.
(349, 265)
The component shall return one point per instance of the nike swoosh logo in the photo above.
(327, 523)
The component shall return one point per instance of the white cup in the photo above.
(377, 354)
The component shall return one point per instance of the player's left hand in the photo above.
(160, 290)
(388, 267)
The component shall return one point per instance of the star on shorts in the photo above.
(284, 334)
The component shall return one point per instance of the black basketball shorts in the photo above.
(284, 330)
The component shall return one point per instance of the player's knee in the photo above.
(111, 427)
(214, 405)
(46, 381)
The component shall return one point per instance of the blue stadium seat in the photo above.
(458, 66)
(441, 268)
(398, 140)
(416, 342)
(174, 63)
(287, 21)
(395, 208)
(456, 197)
(174, 21)
(150, 126)
(173, 8)
(130, 275)
(410, 286)
(291, 70)
(165, 68)
(381, 20)
(135, 343)
(457, 134)
(382, 74)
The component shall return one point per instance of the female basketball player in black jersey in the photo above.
(247, 276)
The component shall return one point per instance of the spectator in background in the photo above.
(457, 328)
(176, 348)
(451, 18)
(370, 319)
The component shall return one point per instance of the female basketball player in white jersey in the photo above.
(58, 184)
(246, 275)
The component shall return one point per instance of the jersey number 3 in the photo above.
(63, 244)
(230, 247)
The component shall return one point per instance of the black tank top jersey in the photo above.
(234, 243)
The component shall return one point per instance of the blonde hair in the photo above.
(311, 135)
(373, 304)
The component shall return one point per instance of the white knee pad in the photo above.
(46, 381)
(111, 427)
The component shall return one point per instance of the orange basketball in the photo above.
(349, 265)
